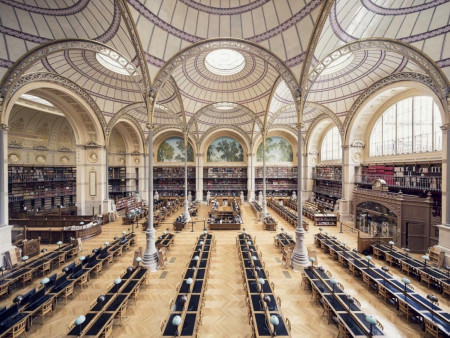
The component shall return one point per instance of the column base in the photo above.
(150, 259)
(345, 210)
(5, 241)
(186, 213)
(444, 242)
(300, 255)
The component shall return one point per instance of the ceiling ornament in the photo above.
(377, 86)
(64, 82)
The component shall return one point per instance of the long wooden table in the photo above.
(283, 239)
(425, 309)
(260, 297)
(394, 257)
(190, 310)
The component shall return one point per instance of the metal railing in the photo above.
(430, 183)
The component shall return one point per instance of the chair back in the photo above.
(431, 328)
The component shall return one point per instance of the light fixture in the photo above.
(78, 321)
(372, 321)
(261, 281)
(274, 320)
(196, 258)
(433, 299)
(117, 281)
(59, 244)
(81, 258)
(425, 258)
(368, 261)
(18, 299)
(189, 281)
(224, 105)
(406, 281)
(254, 258)
(106, 243)
(201, 243)
(224, 62)
(176, 320)
(333, 282)
(100, 300)
(312, 260)
(45, 281)
(350, 300)
(391, 243)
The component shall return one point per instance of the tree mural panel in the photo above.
(225, 149)
(172, 150)
(277, 150)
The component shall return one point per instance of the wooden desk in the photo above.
(224, 226)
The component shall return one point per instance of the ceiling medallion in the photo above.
(224, 62)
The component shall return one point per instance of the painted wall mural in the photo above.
(277, 150)
(225, 149)
(172, 150)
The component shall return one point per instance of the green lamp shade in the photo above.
(24, 258)
(45, 281)
(201, 243)
(106, 243)
(124, 232)
(369, 258)
(371, 320)
(426, 257)
(312, 259)
(344, 243)
(274, 320)
(164, 232)
(333, 281)
(138, 259)
(189, 281)
(205, 232)
(80, 320)
(117, 281)
(261, 281)
(59, 242)
(176, 320)
(406, 280)
(81, 258)
(254, 258)
(249, 242)
(196, 258)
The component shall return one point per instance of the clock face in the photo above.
(377, 184)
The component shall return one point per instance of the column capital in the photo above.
(4, 127)
(199, 154)
(150, 126)
(445, 126)
(345, 146)
(299, 125)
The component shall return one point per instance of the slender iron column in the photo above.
(264, 201)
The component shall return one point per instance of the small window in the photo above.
(331, 145)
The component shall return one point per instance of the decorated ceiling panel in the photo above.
(283, 26)
(422, 23)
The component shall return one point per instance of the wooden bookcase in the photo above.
(36, 187)
(224, 181)
(169, 181)
(119, 182)
(280, 181)
(327, 185)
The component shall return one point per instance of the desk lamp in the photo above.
(274, 321)
(333, 281)
(434, 301)
(138, 260)
(80, 320)
(406, 281)
(372, 321)
(59, 244)
(100, 300)
(368, 261)
(391, 243)
(425, 258)
(350, 300)
(385, 269)
(312, 260)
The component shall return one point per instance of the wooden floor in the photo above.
(225, 311)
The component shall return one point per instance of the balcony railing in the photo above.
(327, 177)
(430, 183)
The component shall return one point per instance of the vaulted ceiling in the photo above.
(334, 50)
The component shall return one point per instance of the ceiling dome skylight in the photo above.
(224, 105)
(338, 64)
(224, 62)
(115, 63)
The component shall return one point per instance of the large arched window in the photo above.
(409, 126)
(331, 145)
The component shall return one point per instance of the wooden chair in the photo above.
(406, 268)
(162, 324)
(380, 326)
(342, 261)
(340, 286)
(109, 259)
(288, 325)
(61, 260)
(27, 277)
(328, 312)
(83, 281)
(107, 331)
(121, 313)
(97, 269)
(68, 291)
(425, 278)
(445, 289)
(46, 308)
(366, 279)
(403, 307)
(343, 332)
(71, 326)
(4, 289)
(305, 281)
(46, 266)
(19, 328)
(353, 269)
(390, 260)
(329, 274)
(286, 259)
(431, 328)
(378, 253)
(356, 302)
(316, 296)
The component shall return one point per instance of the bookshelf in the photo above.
(325, 220)
(327, 185)
(415, 179)
(280, 181)
(36, 187)
(224, 181)
(169, 181)
(121, 184)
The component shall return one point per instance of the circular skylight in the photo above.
(115, 63)
(338, 64)
(224, 62)
(224, 105)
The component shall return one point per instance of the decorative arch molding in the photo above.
(438, 78)
(328, 112)
(14, 74)
(287, 108)
(241, 133)
(124, 111)
(314, 40)
(180, 100)
(379, 85)
(205, 109)
(135, 125)
(160, 137)
(313, 126)
(280, 130)
(60, 81)
(217, 43)
(169, 126)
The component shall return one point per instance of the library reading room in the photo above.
(224, 168)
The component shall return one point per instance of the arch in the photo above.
(242, 134)
(9, 83)
(319, 120)
(79, 108)
(231, 43)
(214, 133)
(131, 125)
(286, 135)
(436, 76)
(124, 111)
(420, 79)
(203, 110)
